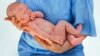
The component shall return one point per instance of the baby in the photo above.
(56, 33)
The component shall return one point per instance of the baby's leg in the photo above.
(76, 40)
(59, 32)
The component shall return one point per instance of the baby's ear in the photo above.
(8, 18)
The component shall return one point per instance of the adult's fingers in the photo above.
(47, 43)
(17, 23)
(13, 21)
(8, 18)
(79, 28)
(66, 46)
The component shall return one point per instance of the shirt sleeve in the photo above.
(82, 12)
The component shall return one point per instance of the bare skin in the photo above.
(43, 40)
(56, 47)
(48, 44)
(56, 33)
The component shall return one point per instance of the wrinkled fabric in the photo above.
(74, 11)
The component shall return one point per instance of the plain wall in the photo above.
(9, 35)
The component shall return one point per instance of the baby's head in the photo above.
(18, 10)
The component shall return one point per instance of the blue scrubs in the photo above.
(73, 11)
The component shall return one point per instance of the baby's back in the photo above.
(43, 25)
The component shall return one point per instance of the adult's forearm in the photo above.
(43, 39)
(54, 47)
(48, 44)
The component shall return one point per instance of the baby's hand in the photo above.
(38, 14)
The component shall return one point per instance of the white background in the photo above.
(9, 35)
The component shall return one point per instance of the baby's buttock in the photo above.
(44, 25)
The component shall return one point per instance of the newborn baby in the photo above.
(56, 33)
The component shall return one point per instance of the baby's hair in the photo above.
(12, 7)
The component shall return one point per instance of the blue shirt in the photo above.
(73, 11)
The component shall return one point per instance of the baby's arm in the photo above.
(37, 14)
(34, 15)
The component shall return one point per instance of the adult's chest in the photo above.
(54, 10)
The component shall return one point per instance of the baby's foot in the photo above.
(73, 40)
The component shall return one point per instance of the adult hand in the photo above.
(18, 23)
(53, 47)
(48, 44)
(61, 48)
